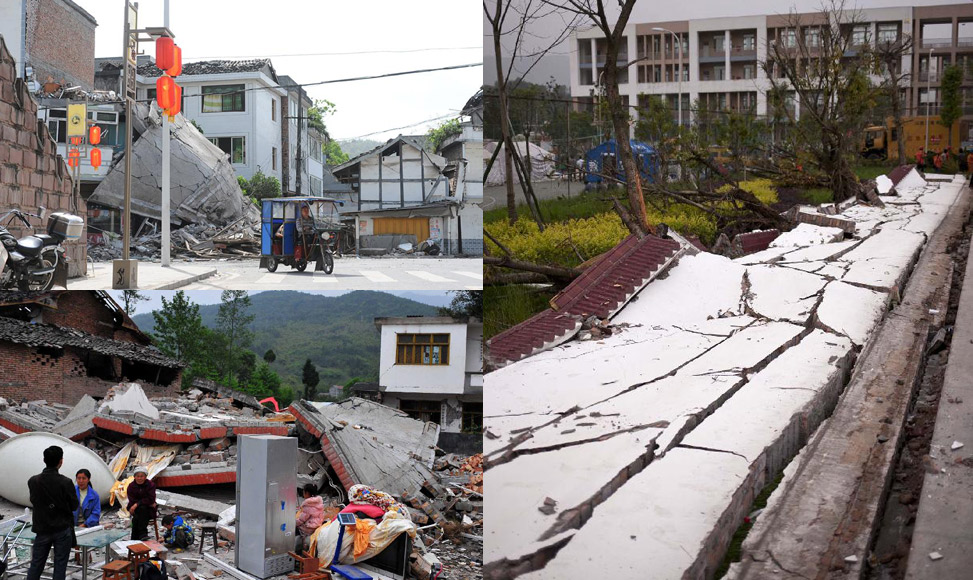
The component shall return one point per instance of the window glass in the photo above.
(223, 98)
(422, 349)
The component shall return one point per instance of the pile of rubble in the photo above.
(237, 240)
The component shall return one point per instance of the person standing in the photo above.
(141, 503)
(969, 165)
(921, 159)
(54, 500)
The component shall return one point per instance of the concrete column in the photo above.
(594, 61)
(728, 45)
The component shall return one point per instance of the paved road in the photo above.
(496, 195)
(351, 274)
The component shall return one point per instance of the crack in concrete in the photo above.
(700, 448)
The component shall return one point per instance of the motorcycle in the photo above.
(36, 262)
(431, 247)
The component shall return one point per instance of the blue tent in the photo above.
(603, 160)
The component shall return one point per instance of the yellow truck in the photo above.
(883, 142)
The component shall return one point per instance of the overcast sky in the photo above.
(213, 297)
(233, 29)
(556, 64)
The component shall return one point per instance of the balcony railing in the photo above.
(707, 52)
(937, 42)
(927, 76)
(964, 42)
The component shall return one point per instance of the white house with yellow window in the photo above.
(432, 368)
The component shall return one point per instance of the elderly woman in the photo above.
(89, 512)
(141, 503)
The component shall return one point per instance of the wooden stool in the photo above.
(138, 553)
(306, 564)
(117, 570)
(208, 530)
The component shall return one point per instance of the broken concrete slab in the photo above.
(883, 260)
(669, 535)
(128, 398)
(369, 443)
(782, 294)
(188, 503)
(808, 235)
(851, 310)
(883, 184)
(830, 251)
(204, 187)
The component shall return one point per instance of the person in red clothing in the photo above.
(921, 159)
(141, 503)
(937, 160)
(969, 165)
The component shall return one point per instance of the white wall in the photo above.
(405, 379)
(391, 190)
(255, 123)
(12, 15)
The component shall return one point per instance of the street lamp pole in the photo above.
(928, 94)
(678, 46)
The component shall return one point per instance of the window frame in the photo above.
(234, 92)
(231, 152)
(411, 348)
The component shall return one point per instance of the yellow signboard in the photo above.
(77, 116)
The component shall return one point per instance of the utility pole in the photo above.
(125, 271)
(300, 139)
(166, 226)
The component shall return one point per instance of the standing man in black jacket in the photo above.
(54, 501)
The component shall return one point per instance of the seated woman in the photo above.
(141, 503)
(89, 512)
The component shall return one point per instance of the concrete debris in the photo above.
(851, 559)
(238, 240)
(935, 556)
(129, 398)
(956, 445)
(204, 187)
(204, 507)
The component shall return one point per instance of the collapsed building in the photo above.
(62, 345)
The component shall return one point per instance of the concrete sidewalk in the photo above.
(151, 276)
(943, 524)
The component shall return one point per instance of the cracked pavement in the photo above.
(652, 442)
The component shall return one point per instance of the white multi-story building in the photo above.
(432, 368)
(236, 104)
(719, 58)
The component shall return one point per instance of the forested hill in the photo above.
(337, 333)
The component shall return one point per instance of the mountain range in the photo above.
(337, 333)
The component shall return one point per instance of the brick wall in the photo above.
(32, 174)
(60, 43)
(85, 311)
(33, 373)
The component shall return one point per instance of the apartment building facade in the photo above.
(717, 62)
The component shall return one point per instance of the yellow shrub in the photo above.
(558, 243)
(762, 189)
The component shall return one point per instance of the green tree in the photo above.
(270, 356)
(260, 186)
(233, 323)
(333, 154)
(310, 378)
(248, 364)
(952, 108)
(264, 382)
(131, 299)
(440, 133)
(465, 303)
(178, 327)
(316, 114)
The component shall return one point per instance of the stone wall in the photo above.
(61, 43)
(32, 174)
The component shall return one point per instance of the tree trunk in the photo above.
(504, 124)
(551, 271)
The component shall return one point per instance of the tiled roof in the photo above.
(20, 332)
(751, 242)
(212, 67)
(600, 291)
(899, 172)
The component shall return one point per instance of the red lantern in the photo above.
(74, 155)
(165, 92)
(96, 158)
(176, 68)
(163, 52)
(94, 135)
(176, 107)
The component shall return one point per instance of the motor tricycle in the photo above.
(296, 231)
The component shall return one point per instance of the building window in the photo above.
(888, 33)
(812, 37)
(749, 70)
(273, 110)
(235, 147)
(788, 38)
(273, 158)
(316, 185)
(107, 121)
(422, 349)
(859, 35)
(719, 72)
(749, 42)
(57, 124)
(223, 98)
(719, 43)
(423, 410)
(472, 417)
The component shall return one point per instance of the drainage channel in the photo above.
(889, 555)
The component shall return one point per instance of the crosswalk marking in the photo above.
(474, 275)
(428, 276)
(374, 276)
(324, 279)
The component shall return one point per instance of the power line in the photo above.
(441, 117)
(351, 53)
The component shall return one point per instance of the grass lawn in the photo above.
(559, 210)
(871, 171)
(818, 195)
(509, 305)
